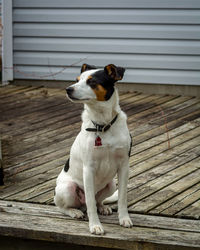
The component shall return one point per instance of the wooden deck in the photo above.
(37, 128)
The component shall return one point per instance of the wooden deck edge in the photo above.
(46, 223)
(146, 88)
(1, 166)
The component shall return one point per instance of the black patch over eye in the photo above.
(101, 78)
(91, 82)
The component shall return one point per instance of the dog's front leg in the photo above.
(88, 178)
(124, 219)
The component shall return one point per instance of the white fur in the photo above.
(83, 91)
(93, 168)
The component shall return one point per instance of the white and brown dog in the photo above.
(100, 151)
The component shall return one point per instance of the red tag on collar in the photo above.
(98, 141)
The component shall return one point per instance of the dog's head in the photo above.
(95, 84)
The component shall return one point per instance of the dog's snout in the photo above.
(69, 90)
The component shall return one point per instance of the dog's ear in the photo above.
(114, 72)
(86, 67)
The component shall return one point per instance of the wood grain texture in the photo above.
(31, 220)
(38, 126)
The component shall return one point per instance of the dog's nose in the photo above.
(69, 90)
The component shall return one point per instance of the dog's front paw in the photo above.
(126, 222)
(97, 229)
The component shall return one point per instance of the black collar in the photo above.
(102, 128)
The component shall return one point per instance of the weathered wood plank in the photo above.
(40, 151)
(136, 105)
(43, 222)
(147, 153)
(145, 105)
(7, 88)
(33, 192)
(157, 130)
(125, 96)
(154, 123)
(22, 109)
(43, 140)
(21, 98)
(50, 121)
(30, 167)
(23, 172)
(138, 219)
(178, 202)
(13, 191)
(191, 211)
(134, 99)
(143, 191)
(10, 90)
(44, 198)
(167, 193)
(1, 167)
(36, 174)
(157, 139)
(156, 168)
(163, 103)
(44, 118)
(163, 157)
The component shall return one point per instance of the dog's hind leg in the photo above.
(101, 195)
(69, 197)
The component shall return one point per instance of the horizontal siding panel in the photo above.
(113, 31)
(108, 4)
(126, 60)
(134, 75)
(107, 16)
(107, 45)
(163, 76)
(157, 41)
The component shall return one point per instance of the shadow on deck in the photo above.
(38, 126)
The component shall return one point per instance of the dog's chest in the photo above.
(108, 153)
(107, 160)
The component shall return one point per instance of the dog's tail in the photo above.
(112, 198)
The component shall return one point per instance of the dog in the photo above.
(100, 151)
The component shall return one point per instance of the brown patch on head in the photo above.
(100, 92)
(78, 78)
(89, 77)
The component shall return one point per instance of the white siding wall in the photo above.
(157, 41)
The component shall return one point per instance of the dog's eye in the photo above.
(92, 84)
(89, 81)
